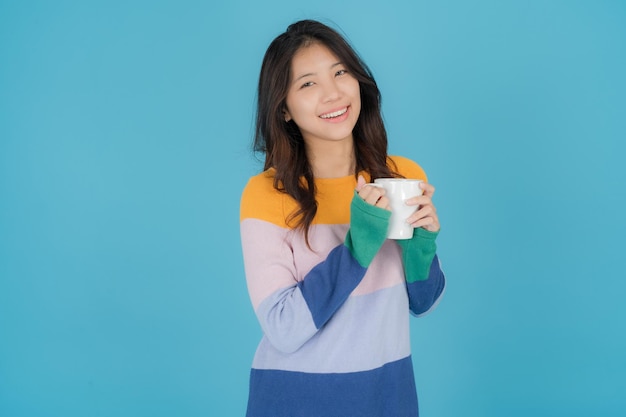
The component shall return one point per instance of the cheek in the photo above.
(356, 101)
(356, 92)
(302, 107)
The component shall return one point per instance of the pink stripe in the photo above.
(275, 258)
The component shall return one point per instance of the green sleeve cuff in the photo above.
(418, 253)
(368, 230)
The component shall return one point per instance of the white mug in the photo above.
(398, 190)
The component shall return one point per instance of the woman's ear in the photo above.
(286, 115)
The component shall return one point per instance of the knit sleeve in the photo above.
(290, 311)
(424, 276)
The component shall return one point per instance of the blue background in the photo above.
(125, 132)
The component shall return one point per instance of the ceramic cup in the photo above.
(398, 190)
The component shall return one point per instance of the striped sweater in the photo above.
(335, 317)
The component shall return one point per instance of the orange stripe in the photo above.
(262, 201)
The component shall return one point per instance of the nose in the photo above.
(331, 91)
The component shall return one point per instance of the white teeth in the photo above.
(334, 114)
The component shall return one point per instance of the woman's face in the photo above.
(323, 98)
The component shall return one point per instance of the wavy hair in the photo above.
(282, 142)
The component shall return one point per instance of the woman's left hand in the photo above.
(426, 215)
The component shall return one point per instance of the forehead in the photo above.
(313, 56)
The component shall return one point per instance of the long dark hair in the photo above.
(282, 142)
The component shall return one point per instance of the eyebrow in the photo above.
(312, 73)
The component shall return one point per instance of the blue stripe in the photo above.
(329, 284)
(385, 391)
(423, 295)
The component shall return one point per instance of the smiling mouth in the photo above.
(334, 114)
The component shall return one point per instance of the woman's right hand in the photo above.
(371, 194)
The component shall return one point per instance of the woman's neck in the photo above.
(332, 160)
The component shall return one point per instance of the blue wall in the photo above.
(124, 145)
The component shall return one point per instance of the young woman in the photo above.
(331, 293)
